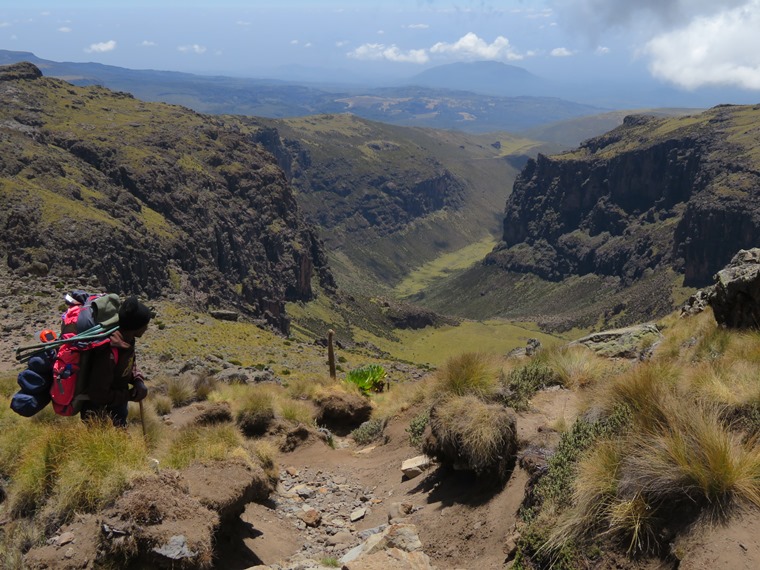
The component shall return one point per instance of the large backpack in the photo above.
(57, 370)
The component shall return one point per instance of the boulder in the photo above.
(736, 297)
(402, 537)
(629, 342)
(224, 315)
(697, 303)
(415, 466)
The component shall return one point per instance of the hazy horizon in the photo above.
(701, 50)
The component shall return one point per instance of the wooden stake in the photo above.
(331, 352)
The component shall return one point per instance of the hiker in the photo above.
(113, 376)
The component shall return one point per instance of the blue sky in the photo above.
(689, 44)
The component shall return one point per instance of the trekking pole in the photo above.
(142, 420)
(24, 353)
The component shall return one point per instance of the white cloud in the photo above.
(602, 50)
(561, 52)
(380, 32)
(294, 42)
(390, 53)
(101, 47)
(243, 23)
(195, 48)
(5, 24)
(341, 43)
(722, 48)
(307, 45)
(470, 46)
(418, 26)
(148, 43)
(64, 29)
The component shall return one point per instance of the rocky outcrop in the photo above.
(677, 192)
(150, 199)
(630, 342)
(736, 295)
(341, 187)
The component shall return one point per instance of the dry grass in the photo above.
(470, 373)
(179, 389)
(162, 404)
(213, 443)
(481, 431)
(297, 412)
(16, 539)
(266, 453)
(256, 410)
(577, 366)
(74, 467)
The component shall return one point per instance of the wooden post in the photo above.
(331, 352)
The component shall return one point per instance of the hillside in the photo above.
(147, 198)
(620, 229)
(388, 199)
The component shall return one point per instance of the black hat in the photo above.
(133, 315)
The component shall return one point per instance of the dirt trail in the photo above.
(461, 522)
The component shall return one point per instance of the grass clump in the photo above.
(74, 467)
(179, 389)
(482, 434)
(16, 539)
(577, 366)
(297, 412)
(162, 404)
(266, 453)
(213, 443)
(470, 373)
(256, 411)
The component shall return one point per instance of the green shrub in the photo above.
(368, 432)
(417, 428)
(369, 378)
(523, 382)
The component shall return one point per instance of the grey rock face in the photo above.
(736, 301)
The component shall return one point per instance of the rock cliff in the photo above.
(653, 193)
(147, 198)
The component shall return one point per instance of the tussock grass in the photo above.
(297, 412)
(480, 431)
(256, 411)
(73, 467)
(266, 454)
(213, 443)
(16, 539)
(162, 404)
(469, 373)
(154, 427)
(308, 387)
(180, 389)
(577, 366)
(694, 457)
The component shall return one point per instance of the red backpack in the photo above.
(57, 368)
(87, 324)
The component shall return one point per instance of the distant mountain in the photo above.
(487, 77)
(407, 106)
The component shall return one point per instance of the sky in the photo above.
(691, 45)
